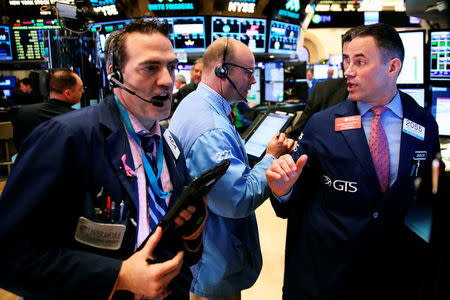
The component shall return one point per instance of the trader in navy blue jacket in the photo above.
(76, 205)
(344, 237)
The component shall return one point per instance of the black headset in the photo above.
(115, 75)
(222, 70)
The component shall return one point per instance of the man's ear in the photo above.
(395, 65)
(67, 93)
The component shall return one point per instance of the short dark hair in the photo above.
(26, 81)
(350, 34)
(387, 39)
(61, 80)
(115, 50)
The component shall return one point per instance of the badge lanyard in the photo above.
(153, 180)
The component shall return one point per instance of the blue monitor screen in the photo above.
(440, 55)
(274, 81)
(371, 17)
(7, 85)
(251, 32)
(7, 82)
(440, 108)
(5, 44)
(283, 38)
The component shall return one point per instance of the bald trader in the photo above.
(231, 260)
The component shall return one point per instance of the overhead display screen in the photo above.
(5, 44)
(440, 55)
(187, 34)
(413, 64)
(103, 30)
(28, 37)
(251, 32)
(283, 38)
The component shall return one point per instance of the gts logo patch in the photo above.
(340, 185)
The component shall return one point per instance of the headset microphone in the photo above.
(117, 83)
(222, 70)
(234, 86)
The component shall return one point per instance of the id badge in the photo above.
(99, 235)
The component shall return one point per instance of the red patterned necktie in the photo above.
(379, 148)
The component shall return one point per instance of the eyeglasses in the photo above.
(250, 71)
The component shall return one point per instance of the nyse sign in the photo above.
(241, 7)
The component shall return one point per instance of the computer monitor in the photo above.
(440, 108)
(320, 71)
(104, 29)
(249, 31)
(28, 36)
(5, 44)
(7, 85)
(439, 41)
(413, 64)
(187, 34)
(274, 81)
(274, 71)
(417, 94)
(254, 94)
(371, 17)
(283, 38)
(335, 59)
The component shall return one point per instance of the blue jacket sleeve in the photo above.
(241, 190)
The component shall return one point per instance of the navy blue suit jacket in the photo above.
(60, 170)
(344, 235)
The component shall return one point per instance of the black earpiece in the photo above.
(222, 70)
(115, 73)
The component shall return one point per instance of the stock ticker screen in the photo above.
(440, 55)
(249, 31)
(28, 37)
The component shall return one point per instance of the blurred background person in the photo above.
(66, 89)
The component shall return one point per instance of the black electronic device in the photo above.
(249, 31)
(192, 196)
(262, 131)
